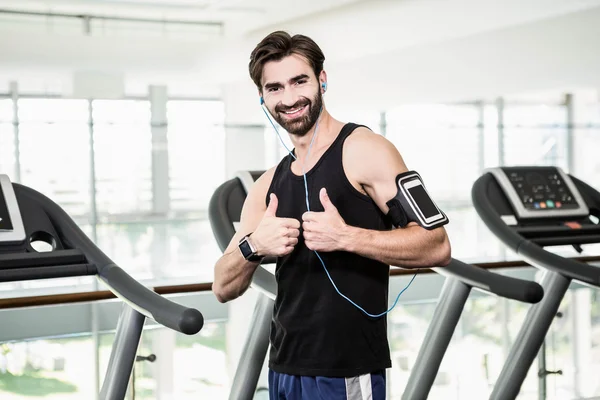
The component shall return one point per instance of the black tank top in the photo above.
(314, 331)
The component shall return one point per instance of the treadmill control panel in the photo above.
(539, 192)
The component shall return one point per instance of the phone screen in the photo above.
(424, 202)
(5, 222)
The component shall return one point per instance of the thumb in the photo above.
(325, 200)
(272, 208)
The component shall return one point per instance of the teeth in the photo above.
(294, 111)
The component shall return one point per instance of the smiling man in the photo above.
(329, 331)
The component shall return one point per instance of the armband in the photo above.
(412, 203)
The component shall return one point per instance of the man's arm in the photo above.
(233, 273)
(270, 236)
(412, 246)
(372, 163)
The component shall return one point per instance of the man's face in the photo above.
(292, 94)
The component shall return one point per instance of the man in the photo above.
(333, 256)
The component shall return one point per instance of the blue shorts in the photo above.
(292, 387)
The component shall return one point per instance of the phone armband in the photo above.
(412, 203)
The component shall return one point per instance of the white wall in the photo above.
(553, 55)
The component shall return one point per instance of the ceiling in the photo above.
(409, 49)
(236, 16)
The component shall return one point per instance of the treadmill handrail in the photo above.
(505, 286)
(147, 302)
(530, 251)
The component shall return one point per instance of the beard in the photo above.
(302, 125)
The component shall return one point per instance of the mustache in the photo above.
(298, 104)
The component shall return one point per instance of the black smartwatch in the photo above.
(248, 251)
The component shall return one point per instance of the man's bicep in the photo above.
(381, 173)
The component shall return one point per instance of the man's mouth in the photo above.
(295, 112)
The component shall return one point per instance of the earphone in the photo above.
(324, 86)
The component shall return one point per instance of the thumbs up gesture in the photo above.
(323, 230)
(275, 236)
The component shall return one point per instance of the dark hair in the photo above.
(280, 44)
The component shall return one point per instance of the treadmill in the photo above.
(224, 213)
(27, 216)
(529, 208)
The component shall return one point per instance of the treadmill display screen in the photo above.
(541, 189)
(5, 222)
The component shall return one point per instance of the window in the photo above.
(123, 156)
(54, 151)
(58, 368)
(7, 139)
(162, 251)
(170, 376)
(441, 142)
(196, 138)
(586, 144)
(535, 135)
(475, 356)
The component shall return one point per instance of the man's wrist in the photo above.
(348, 238)
(256, 245)
(248, 249)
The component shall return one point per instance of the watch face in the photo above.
(245, 248)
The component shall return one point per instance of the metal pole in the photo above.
(570, 134)
(500, 111)
(123, 354)
(531, 337)
(254, 352)
(445, 319)
(94, 237)
(383, 123)
(481, 134)
(14, 94)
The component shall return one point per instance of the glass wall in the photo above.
(183, 367)
(587, 142)
(196, 140)
(122, 157)
(96, 159)
(54, 151)
(7, 138)
(535, 134)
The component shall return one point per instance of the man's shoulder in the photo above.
(364, 142)
(369, 156)
(267, 177)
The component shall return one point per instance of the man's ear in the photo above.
(322, 77)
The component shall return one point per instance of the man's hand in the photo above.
(275, 236)
(323, 230)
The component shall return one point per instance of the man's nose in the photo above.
(289, 97)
